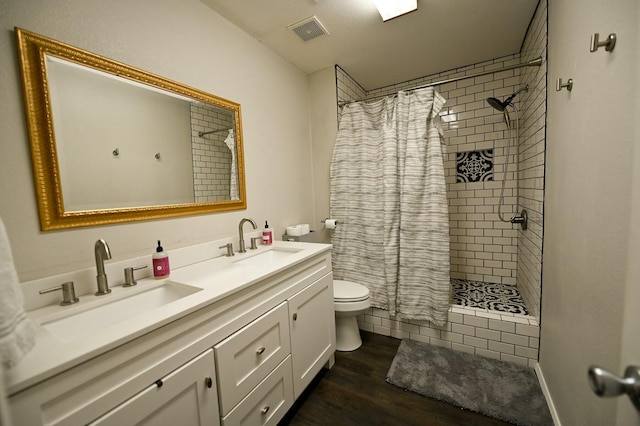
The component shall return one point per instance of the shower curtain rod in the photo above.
(532, 63)
(201, 134)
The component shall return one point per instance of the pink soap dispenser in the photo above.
(160, 263)
(267, 234)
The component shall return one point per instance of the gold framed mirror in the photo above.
(111, 143)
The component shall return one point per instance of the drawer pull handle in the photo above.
(159, 383)
(265, 410)
(295, 316)
(260, 351)
(209, 382)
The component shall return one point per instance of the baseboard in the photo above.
(547, 395)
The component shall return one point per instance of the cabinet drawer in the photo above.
(246, 357)
(268, 402)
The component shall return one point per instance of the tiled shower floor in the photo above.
(497, 297)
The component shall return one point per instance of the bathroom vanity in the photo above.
(238, 347)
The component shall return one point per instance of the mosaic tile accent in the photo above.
(474, 166)
(496, 297)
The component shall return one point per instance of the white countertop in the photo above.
(217, 278)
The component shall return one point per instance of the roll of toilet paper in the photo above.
(298, 230)
(330, 223)
(294, 231)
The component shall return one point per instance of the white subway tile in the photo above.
(463, 348)
(527, 330)
(458, 310)
(488, 315)
(501, 347)
(476, 342)
(390, 324)
(451, 337)
(521, 319)
(488, 334)
(476, 321)
(366, 327)
(526, 352)
(399, 334)
(456, 317)
(463, 329)
(515, 339)
(372, 320)
(381, 330)
(428, 332)
(380, 313)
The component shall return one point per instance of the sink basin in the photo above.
(268, 257)
(76, 325)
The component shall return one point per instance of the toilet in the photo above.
(350, 300)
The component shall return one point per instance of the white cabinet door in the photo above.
(313, 331)
(185, 397)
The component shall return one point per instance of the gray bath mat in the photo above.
(497, 389)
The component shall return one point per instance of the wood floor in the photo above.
(355, 392)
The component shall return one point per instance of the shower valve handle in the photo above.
(522, 219)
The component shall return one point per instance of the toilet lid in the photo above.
(347, 291)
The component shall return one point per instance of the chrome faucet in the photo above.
(241, 232)
(102, 252)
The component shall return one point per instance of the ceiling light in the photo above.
(390, 9)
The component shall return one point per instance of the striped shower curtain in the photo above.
(388, 193)
(230, 142)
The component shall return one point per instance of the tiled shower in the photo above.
(211, 157)
(483, 248)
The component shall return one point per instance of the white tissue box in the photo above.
(298, 230)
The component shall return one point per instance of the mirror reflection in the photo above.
(111, 143)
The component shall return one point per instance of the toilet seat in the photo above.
(347, 292)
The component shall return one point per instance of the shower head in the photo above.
(497, 104)
(501, 106)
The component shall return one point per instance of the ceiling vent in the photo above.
(309, 29)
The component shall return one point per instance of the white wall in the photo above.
(183, 41)
(324, 128)
(591, 138)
